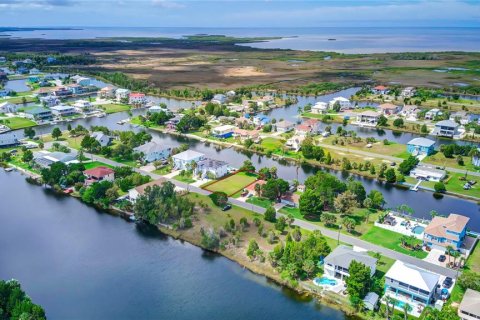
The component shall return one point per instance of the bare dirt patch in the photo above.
(248, 71)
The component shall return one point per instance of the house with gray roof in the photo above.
(469, 308)
(211, 168)
(446, 128)
(337, 263)
(102, 138)
(184, 160)
(45, 159)
(153, 151)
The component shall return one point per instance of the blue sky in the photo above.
(230, 13)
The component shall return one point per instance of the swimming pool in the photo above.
(418, 229)
(324, 281)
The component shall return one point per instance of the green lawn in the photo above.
(440, 160)
(95, 164)
(272, 144)
(18, 123)
(186, 178)
(113, 108)
(454, 184)
(163, 170)
(390, 240)
(233, 183)
(264, 203)
(473, 262)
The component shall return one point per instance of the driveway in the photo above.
(433, 255)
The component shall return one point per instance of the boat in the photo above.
(131, 217)
(332, 39)
(9, 169)
(101, 115)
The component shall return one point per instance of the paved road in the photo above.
(386, 157)
(303, 224)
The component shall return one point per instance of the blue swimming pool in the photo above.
(418, 229)
(324, 281)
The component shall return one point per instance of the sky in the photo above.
(230, 13)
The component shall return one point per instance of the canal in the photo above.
(80, 263)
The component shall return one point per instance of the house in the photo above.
(103, 139)
(98, 174)
(410, 112)
(34, 71)
(137, 98)
(33, 79)
(295, 142)
(446, 128)
(368, 118)
(320, 107)
(184, 160)
(476, 158)
(45, 159)
(432, 114)
(469, 308)
(9, 139)
(83, 81)
(219, 99)
(3, 76)
(246, 134)
(428, 173)
(380, 90)
(107, 92)
(303, 129)
(50, 101)
(370, 301)
(63, 110)
(408, 92)
(51, 59)
(461, 117)
(420, 146)
(76, 89)
(261, 120)
(265, 101)
(223, 132)
(251, 187)
(8, 107)
(62, 92)
(342, 102)
(236, 108)
(284, 126)
(337, 263)
(410, 283)
(121, 94)
(83, 106)
(39, 113)
(153, 151)
(389, 108)
(136, 192)
(442, 232)
(210, 168)
(290, 199)
(231, 94)
(156, 109)
(171, 124)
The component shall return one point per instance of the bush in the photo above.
(219, 198)
(270, 214)
(439, 187)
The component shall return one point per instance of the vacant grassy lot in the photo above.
(264, 203)
(113, 108)
(390, 240)
(439, 159)
(96, 164)
(454, 184)
(233, 184)
(18, 123)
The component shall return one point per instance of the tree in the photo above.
(382, 121)
(16, 304)
(368, 203)
(398, 122)
(219, 198)
(29, 133)
(281, 224)
(247, 166)
(270, 214)
(349, 224)
(433, 213)
(27, 156)
(390, 175)
(297, 234)
(359, 282)
(377, 199)
(56, 133)
(439, 187)
(308, 267)
(407, 165)
(357, 188)
(252, 248)
(424, 128)
(310, 203)
(274, 189)
(328, 219)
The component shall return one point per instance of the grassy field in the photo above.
(272, 144)
(18, 123)
(264, 203)
(96, 164)
(233, 184)
(390, 240)
(439, 159)
(113, 108)
(454, 184)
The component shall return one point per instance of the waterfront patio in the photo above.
(404, 226)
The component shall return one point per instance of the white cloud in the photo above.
(167, 4)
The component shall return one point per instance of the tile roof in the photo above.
(158, 182)
(99, 172)
(439, 225)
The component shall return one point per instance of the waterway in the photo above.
(81, 263)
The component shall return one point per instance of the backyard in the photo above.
(113, 108)
(233, 183)
(17, 123)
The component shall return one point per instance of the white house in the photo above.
(469, 308)
(320, 107)
(432, 113)
(368, 118)
(389, 108)
(184, 160)
(156, 109)
(410, 112)
(337, 263)
(295, 142)
(121, 94)
(83, 81)
(107, 92)
(45, 159)
(34, 71)
(8, 107)
(380, 90)
(9, 139)
(210, 168)
(219, 99)
(83, 106)
(225, 131)
(446, 128)
(343, 102)
(408, 92)
(153, 151)
(63, 110)
(50, 100)
(429, 173)
(285, 126)
(102, 138)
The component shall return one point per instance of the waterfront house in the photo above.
(83, 106)
(63, 110)
(171, 124)
(76, 89)
(3, 76)
(231, 94)
(3, 59)
(137, 98)
(290, 199)
(469, 308)
(136, 192)
(320, 107)
(107, 92)
(34, 71)
(344, 103)
(461, 117)
(442, 232)
(102, 138)
(219, 99)
(184, 160)
(9, 139)
(83, 81)
(420, 147)
(261, 120)
(446, 128)
(368, 118)
(39, 114)
(51, 59)
(246, 134)
(153, 151)
(295, 142)
(410, 283)
(284, 126)
(408, 92)
(8, 107)
(211, 168)
(432, 114)
(157, 109)
(121, 94)
(428, 173)
(380, 90)
(33, 79)
(389, 109)
(99, 174)
(223, 132)
(303, 130)
(44, 159)
(410, 112)
(62, 92)
(337, 263)
(476, 158)
(50, 101)
(43, 92)
(4, 92)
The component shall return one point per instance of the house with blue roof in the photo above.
(261, 120)
(421, 146)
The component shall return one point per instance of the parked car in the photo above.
(447, 283)
(227, 207)
(393, 164)
(442, 258)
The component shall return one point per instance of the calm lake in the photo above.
(80, 263)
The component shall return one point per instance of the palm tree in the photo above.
(406, 309)
(433, 213)
(461, 263)
(455, 255)
(449, 250)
